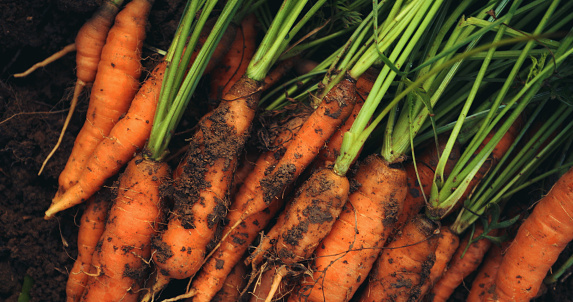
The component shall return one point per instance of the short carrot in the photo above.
(413, 251)
(482, 286)
(91, 228)
(539, 241)
(464, 262)
(231, 249)
(448, 243)
(344, 257)
(126, 138)
(125, 244)
(115, 85)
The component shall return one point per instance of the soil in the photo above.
(32, 112)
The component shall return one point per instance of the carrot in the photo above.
(126, 138)
(211, 159)
(267, 287)
(448, 243)
(114, 87)
(235, 62)
(323, 122)
(230, 250)
(464, 262)
(233, 285)
(89, 44)
(404, 264)
(307, 220)
(482, 289)
(538, 243)
(426, 164)
(125, 244)
(344, 258)
(91, 227)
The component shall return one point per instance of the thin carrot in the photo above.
(89, 44)
(126, 138)
(125, 244)
(234, 64)
(344, 258)
(91, 228)
(404, 264)
(482, 286)
(233, 285)
(538, 243)
(230, 250)
(115, 85)
(448, 243)
(464, 262)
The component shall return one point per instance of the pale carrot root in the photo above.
(56, 56)
(344, 258)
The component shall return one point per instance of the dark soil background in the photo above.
(32, 112)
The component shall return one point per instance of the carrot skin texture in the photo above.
(482, 289)
(126, 138)
(211, 161)
(209, 280)
(448, 243)
(233, 285)
(538, 243)
(91, 228)
(459, 268)
(110, 99)
(344, 258)
(126, 242)
(413, 252)
(310, 217)
(323, 122)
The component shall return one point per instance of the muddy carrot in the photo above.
(413, 251)
(91, 228)
(125, 245)
(482, 286)
(233, 285)
(344, 258)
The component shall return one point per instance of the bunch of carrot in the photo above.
(383, 229)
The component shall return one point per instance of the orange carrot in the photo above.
(461, 267)
(482, 289)
(538, 243)
(91, 228)
(344, 258)
(115, 84)
(404, 264)
(307, 220)
(235, 62)
(333, 110)
(125, 245)
(230, 249)
(266, 285)
(199, 203)
(126, 138)
(448, 243)
(233, 285)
